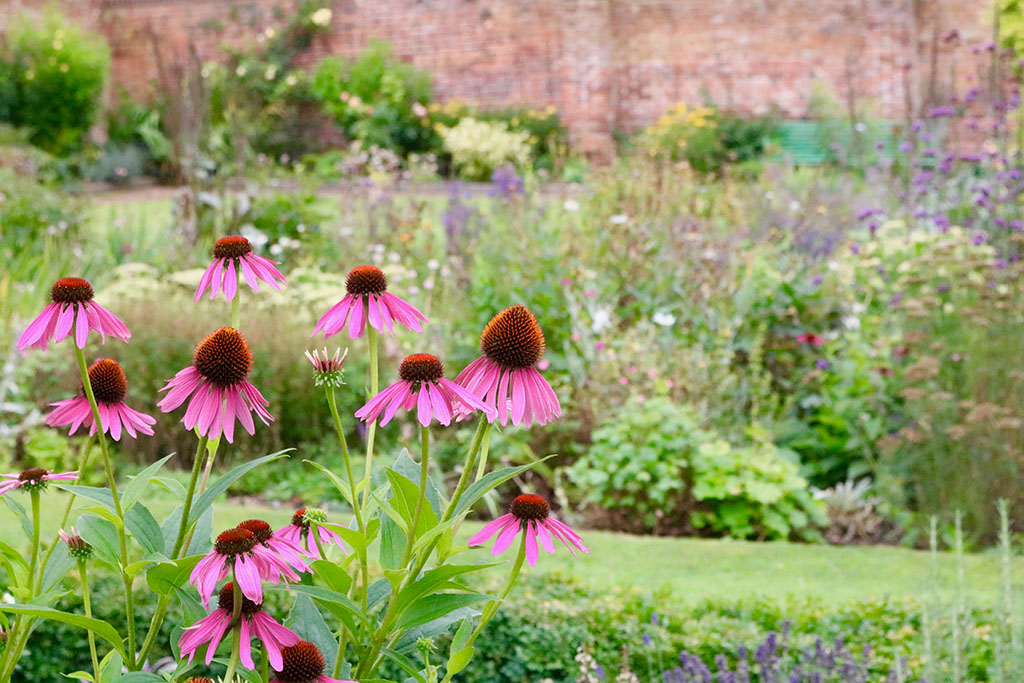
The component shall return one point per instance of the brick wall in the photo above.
(605, 64)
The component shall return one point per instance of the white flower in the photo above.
(428, 284)
(794, 206)
(619, 219)
(240, 70)
(321, 17)
(663, 318)
(571, 205)
(394, 257)
(256, 237)
(291, 80)
(271, 72)
(270, 32)
(433, 264)
(602, 320)
(276, 249)
(851, 322)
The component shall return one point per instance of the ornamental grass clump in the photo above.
(298, 604)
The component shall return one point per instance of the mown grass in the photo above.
(688, 570)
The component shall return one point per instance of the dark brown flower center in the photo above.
(301, 663)
(513, 338)
(223, 357)
(71, 290)
(421, 367)
(33, 474)
(235, 542)
(199, 679)
(226, 601)
(260, 529)
(109, 383)
(366, 280)
(530, 507)
(299, 518)
(233, 246)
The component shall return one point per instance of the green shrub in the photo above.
(479, 147)
(52, 74)
(377, 99)
(706, 138)
(655, 464)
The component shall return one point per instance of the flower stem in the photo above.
(371, 429)
(88, 612)
(265, 666)
(34, 560)
(182, 541)
(129, 598)
(186, 511)
(356, 508)
(418, 510)
(484, 448)
(236, 615)
(69, 506)
(493, 606)
(483, 431)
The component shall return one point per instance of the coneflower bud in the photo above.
(78, 548)
(328, 371)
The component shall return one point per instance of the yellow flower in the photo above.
(321, 17)
(665, 120)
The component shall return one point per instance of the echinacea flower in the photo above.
(512, 343)
(78, 547)
(220, 392)
(238, 549)
(71, 308)
(254, 622)
(367, 300)
(286, 550)
(109, 387)
(33, 479)
(300, 532)
(532, 515)
(231, 255)
(811, 338)
(422, 385)
(303, 663)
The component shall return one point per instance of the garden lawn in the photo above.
(691, 570)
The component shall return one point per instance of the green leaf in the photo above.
(342, 487)
(338, 603)
(93, 493)
(409, 469)
(336, 578)
(137, 486)
(458, 661)
(435, 606)
(435, 628)
(205, 501)
(166, 576)
(307, 622)
(392, 544)
(404, 662)
(354, 539)
(102, 536)
(461, 636)
(100, 628)
(57, 566)
(141, 677)
(434, 580)
(110, 668)
(144, 529)
(79, 676)
(490, 481)
(19, 511)
(406, 493)
(379, 590)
